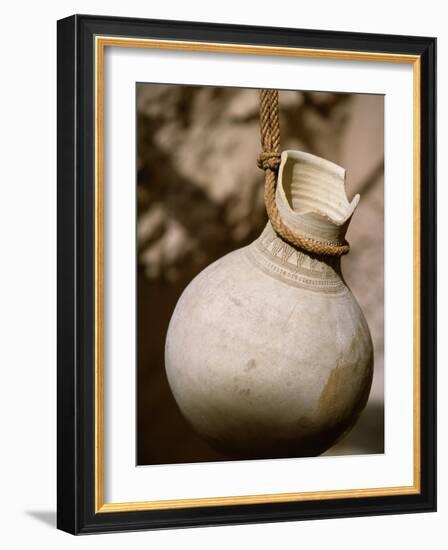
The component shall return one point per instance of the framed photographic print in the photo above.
(246, 274)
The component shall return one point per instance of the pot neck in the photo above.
(311, 197)
(295, 267)
(311, 200)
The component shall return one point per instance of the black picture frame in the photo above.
(76, 301)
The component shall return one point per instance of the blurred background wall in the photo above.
(200, 195)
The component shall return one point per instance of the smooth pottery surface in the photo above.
(268, 353)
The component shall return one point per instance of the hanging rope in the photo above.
(269, 161)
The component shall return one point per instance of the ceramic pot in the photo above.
(268, 353)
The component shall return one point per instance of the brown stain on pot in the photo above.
(340, 381)
(333, 402)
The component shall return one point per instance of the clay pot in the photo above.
(268, 353)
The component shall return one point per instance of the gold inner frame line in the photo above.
(101, 42)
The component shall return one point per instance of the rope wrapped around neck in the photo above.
(269, 161)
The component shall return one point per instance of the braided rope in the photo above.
(269, 161)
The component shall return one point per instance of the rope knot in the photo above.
(268, 160)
